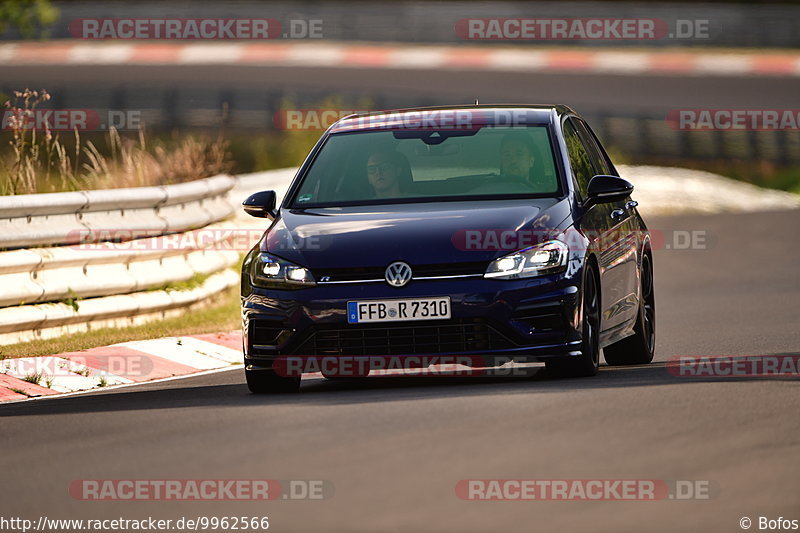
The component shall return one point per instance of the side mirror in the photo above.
(605, 189)
(260, 204)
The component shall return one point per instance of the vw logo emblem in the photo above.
(398, 274)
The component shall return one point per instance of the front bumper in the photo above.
(528, 320)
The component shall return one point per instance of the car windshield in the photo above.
(368, 167)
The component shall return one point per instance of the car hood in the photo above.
(419, 234)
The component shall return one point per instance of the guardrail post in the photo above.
(170, 113)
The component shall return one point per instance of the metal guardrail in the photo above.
(734, 24)
(53, 281)
(648, 135)
(101, 269)
(58, 218)
(36, 322)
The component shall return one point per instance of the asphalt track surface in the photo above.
(394, 448)
(402, 87)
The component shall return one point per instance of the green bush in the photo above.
(31, 17)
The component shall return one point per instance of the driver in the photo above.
(516, 156)
(384, 172)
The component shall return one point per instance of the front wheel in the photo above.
(638, 349)
(588, 363)
(266, 381)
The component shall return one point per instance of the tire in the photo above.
(588, 363)
(638, 349)
(266, 381)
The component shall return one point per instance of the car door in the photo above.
(619, 256)
(595, 222)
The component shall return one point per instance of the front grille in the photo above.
(420, 271)
(349, 274)
(445, 338)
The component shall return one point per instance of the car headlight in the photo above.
(273, 272)
(546, 258)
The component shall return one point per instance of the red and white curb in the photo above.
(118, 364)
(344, 55)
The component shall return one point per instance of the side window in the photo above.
(599, 158)
(579, 158)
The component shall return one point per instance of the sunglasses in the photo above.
(382, 167)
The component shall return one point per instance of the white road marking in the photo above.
(94, 54)
(174, 349)
(126, 385)
(211, 53)
(57, 373)
(622, 62)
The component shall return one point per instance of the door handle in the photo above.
(631, 204)
(617, 213)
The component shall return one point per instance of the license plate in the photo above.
(362, 312)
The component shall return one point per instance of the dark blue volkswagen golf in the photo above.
(491, 233)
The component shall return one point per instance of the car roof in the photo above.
(452, 117)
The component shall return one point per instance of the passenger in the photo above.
(517, 156)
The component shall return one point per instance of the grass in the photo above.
(761, 173)
(194, 282)
(41, 161)
(223, 316)
(71, 300)
(34, 378)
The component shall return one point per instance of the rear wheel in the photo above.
(588, 362)
(638, 349)
(266, 381)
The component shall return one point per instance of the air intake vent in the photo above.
(267, 332)
(547, 317)
(444, 338)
